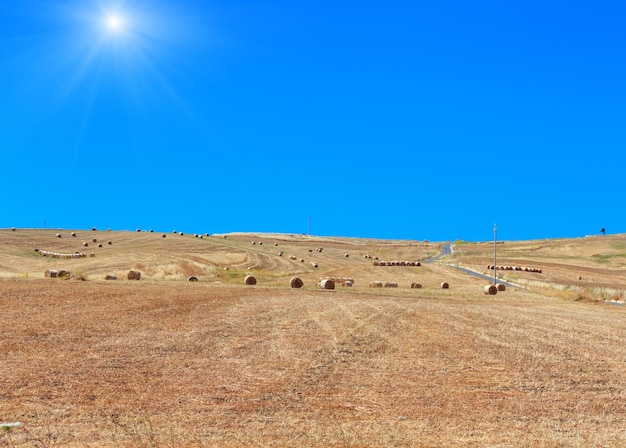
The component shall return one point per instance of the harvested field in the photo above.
(214, 363)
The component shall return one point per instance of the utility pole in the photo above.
(495, 230)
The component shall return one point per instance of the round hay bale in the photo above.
(280, 253)
(58, 235)
(313, 264)
(164, 236)
(275, 244)
(99, 244)
(93, 229)
(296, 282)
(347, 255)
(192, 279)
(490, 290)
(92, 254)
(226, 268)
(301, 260)
(95, 240)
(416, 285)
(51, 273)
(110, 277)
(181, 233)
(444, 285)
(348, 283)
(327, 283)
(74, 234)
(110, 243)
(138, 230)
(85, 244)
(134, 275)
(501, 287)
(12, 229)
(250, 280)
(376, 284)
(391, 285)
(64, 274)
(151, 231)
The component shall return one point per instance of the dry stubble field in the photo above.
(163, 362)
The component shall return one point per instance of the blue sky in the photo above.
(398, 119)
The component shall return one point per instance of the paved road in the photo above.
(447, 250)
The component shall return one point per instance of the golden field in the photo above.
(163, 362)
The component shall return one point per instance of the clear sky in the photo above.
(397, 119)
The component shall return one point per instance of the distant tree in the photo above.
(603, 231)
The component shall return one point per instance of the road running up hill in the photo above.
(447, 249)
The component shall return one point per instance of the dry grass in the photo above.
(165, 363)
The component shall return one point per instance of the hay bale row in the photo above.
(342, 281)
(53, 273)
(47, 253)
(514, 268)
(397, 263)
(414, 285)
(368, 256)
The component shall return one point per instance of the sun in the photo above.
(114, 22)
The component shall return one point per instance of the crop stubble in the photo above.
(87, 364)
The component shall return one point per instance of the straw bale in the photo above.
(327, 283)
(444, 285)
(58, 235)
(110, 277)
(99, 244)
(416, 285)
(134, 275)
(64, 274)
(85, 244)
(376, 284)
(51, 273)
(501, 287)
(296, 282)
(250, 280)
(74, 234)
(490, 290)
(391, 285)
(192, 279)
